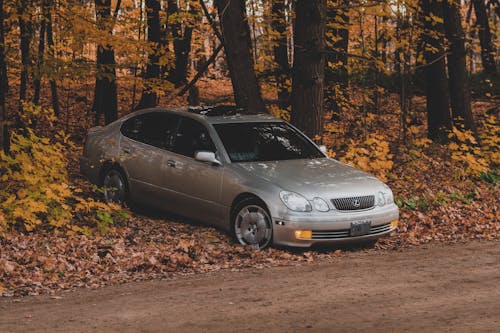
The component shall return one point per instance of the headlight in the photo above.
(385, 197)
(320, 205)
(389, 197)
(295, 201)
(380, 198)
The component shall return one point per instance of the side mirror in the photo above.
(207, 157)
(323, 149)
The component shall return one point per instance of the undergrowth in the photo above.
(36, 192)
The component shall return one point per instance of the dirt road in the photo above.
(430, 289)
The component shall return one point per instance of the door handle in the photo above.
(171, 163)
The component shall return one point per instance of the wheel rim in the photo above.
(114, 187)
(253, 227)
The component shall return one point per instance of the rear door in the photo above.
(144, 147)
(197, 183)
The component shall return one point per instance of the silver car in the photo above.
(255, 176)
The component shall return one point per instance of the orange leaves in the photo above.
(465, 150)
(7, 266)
(35, 192)
(280, 113)
(147, 248)
(372, 155)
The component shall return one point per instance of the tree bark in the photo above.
(50, 44)
(4, 142)
(237, 45)
(487, 50)
(4, 82)
(182, 46)
(41, 52)
(338, 53)
(24, 16)
(278, 23)
(496, 4)
(105, 97)
(149, 97)
(309, 66)
(437, 94)
(457, 69)
(201, 71)
(336, 76)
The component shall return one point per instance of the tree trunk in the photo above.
(457, 69)
(149, 97)
(309, 66)
(4, 82)
(338, 51)
(182, 46)
(237, 45)
(496, 4)
(4, 142)
(25, 36)
(278, 22)
(438, 107)
(50, 44)
(105, 97)
(41, 52)
(336, 77)
(487, 51)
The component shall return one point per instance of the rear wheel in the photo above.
(252, 224)
(115, 187)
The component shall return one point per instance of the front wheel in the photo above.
(252, 224)
(115, 187)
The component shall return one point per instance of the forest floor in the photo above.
(440, 203)
(432, 288)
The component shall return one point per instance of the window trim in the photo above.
(183, 118)
(145, 114)
(213, 136)
(277, 121)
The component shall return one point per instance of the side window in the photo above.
(191, 137)
(155, 129)
(133, 128)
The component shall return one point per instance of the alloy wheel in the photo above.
(252, 226)
(114, 187)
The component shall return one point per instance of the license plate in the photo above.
(360, 228)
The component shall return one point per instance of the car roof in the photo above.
(215, 114)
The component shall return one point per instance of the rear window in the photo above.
(155, 129)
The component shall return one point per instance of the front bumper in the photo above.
(333, 227)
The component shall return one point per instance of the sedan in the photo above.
(255, 176)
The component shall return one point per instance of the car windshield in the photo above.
(265, 141)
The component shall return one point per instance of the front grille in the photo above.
(354, 203)
(336, 234)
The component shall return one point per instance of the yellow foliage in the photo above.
(490, 141)
(35, 192)
(3, 221)
(280, 113)
(465, 152)
(33, 167)
(422, 143)
(372, 155)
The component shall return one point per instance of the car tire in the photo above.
(251, 224)
(115, 186)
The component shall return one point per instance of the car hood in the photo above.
(323, 177)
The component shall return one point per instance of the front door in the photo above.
(197, 183)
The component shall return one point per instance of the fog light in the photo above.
(394, 224)
(303, 234)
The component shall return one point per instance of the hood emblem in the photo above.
(356, 203)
